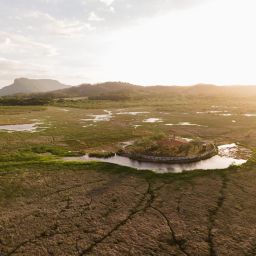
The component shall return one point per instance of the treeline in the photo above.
(41, 99)
(111, 96)
(24, 101)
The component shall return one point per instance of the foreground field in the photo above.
(50, 207)
(100, 209)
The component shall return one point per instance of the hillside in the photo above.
(120, 90)
(26, 86)
(112, 90)
(106, 90)
(97, 89)
(205, 90)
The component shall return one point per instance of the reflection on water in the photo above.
(132, 113)
(229, 150)
(250, 115)
(185, 124)
(20, 127)
(216, 162)
(153, 120)
(100, 118)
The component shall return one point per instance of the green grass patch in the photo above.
(55, 150)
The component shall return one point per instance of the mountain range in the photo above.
(119, 90)
(114, 90)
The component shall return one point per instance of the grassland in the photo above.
(51, 207)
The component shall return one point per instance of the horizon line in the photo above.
(138, 84)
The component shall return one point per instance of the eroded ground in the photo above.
(109, 210)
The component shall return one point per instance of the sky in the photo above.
(147, 42)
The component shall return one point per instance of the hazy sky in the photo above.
(138, 41)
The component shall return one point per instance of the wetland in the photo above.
(55, 199)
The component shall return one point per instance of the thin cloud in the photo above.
(59, 27)
(94, 17)
(19, 44)
(107, 2)
(141, 41)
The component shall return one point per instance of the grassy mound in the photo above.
(166, 146)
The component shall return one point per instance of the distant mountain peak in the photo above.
(25, 86)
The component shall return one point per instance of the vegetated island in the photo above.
(169, 149)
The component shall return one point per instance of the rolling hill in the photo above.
(47, 88)
(111, 90)
(102, 91)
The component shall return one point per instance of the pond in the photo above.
(184, 124)
(20, 127)
(153, 120)
(250, 115)
(132, 113)
(222, 161)
(99, 118)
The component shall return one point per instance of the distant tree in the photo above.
(24, 101)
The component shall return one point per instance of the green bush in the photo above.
(101, 154)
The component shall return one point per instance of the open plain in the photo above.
(52, 207)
